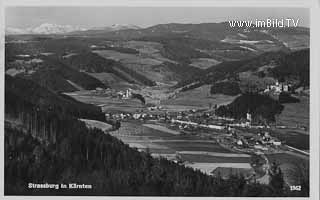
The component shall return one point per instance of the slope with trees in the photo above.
(262, 107)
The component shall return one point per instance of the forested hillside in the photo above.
(112, 168)
(19, 92)
(91, 62)
(287, 67)
(262, 107)
(294, 66)
(55, 75)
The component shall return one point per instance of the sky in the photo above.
(86, 17)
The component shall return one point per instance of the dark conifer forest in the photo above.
(262, 107)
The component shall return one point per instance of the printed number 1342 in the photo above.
(295, 187)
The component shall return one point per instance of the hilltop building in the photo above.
(125, 95)
(249, 117)
(277, 88)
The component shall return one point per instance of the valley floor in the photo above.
(198, 151)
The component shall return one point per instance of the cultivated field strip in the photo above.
(162, 128)
(208, 168)
(215, 154)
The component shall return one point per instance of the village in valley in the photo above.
(239, 137)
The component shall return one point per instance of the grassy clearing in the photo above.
(204, 63)
(107, 103)
(198, 97)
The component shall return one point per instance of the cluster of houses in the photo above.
(140, 115)
(264, 142)
(277, 88)
(261, 141)
(184, 120)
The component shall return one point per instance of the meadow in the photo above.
(198, 98)
(204, 63)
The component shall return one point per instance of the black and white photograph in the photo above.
(157, 101)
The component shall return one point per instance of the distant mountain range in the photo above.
(252, 39)
(116, 27)
(48, 28)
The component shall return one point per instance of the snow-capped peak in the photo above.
(48, 28)
(15, 31)
(45, 28)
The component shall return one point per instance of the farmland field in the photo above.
(214, 159)
(137, 129)
(195, 146)
(199, 97)
(209, 167)
(204, 155)
(161, 128)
